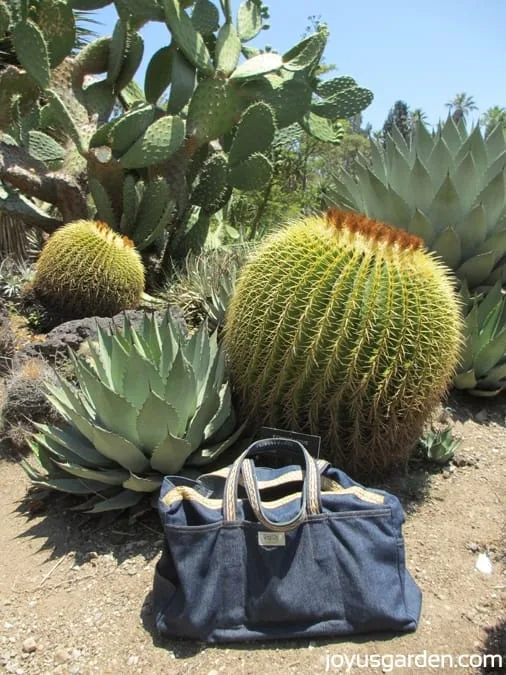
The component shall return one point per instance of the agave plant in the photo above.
(205, 283)
(147, 403)
(439, 446)
(448, 188)
(483, 363)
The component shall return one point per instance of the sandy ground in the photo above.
(75, 591)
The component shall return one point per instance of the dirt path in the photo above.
(77, 598)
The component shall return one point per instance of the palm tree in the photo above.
(460, 106)
(417, 115)
(492, 118)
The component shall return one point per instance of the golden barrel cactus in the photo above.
(86, 269)
(347, 328)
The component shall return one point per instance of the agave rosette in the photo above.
(147, 402)
(482, 369)
(448, 188)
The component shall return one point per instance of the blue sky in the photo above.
(422, 52)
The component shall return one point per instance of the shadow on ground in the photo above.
(495, 645)
(185, 649)
(463, 408)
(62, 531)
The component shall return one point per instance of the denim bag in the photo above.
(256, 553)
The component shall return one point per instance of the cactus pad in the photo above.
(212, 190)
(255, 132)
(160, 140)
(158, 74)
(213, 109)
(205, 17)
(188, 39)
(228, 49)
(252, 174)
(32, 52)
(56, 21)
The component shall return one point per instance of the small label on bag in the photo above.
(271, 538)
(311, 443)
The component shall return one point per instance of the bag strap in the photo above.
(311, 498)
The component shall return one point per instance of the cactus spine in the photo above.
(86, 269)
(346, 328)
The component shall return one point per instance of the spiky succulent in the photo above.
(345, 328)
(147, 402)
(482, 369)
(448, 188)
(204, 285)
(438, 445)
(86, 269)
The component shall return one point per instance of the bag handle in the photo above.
(310, 505)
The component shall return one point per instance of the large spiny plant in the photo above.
(346, 328)
(204, 124)
(450, 189)
(147, 402)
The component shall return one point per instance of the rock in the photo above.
(29, 645)
(133, 660)
(61, 656)
(73, 333)
(481, 416)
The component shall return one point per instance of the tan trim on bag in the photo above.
(183, 492)
(291, 477)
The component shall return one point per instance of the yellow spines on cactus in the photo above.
(347, 328)
(86, 269)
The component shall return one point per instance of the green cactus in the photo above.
(86, 269)
(212, 189)
(342, 99)
(345, 328)
(189, 41)
(32, 51)
(56, 21)
(250, 19)
(213, 109)
(251, 174)
(129, 128)
(228, 49)
(255, 132)
(43, 147)
(205, 17)
(158, 74)
(160, 140)
(154, 213)
(210, 110)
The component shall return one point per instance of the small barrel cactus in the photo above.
(344, 327)
(86, 269)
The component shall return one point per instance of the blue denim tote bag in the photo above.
(298, 551)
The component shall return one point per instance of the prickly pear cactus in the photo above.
(204, 123)
(344, 327)
(86, 269)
